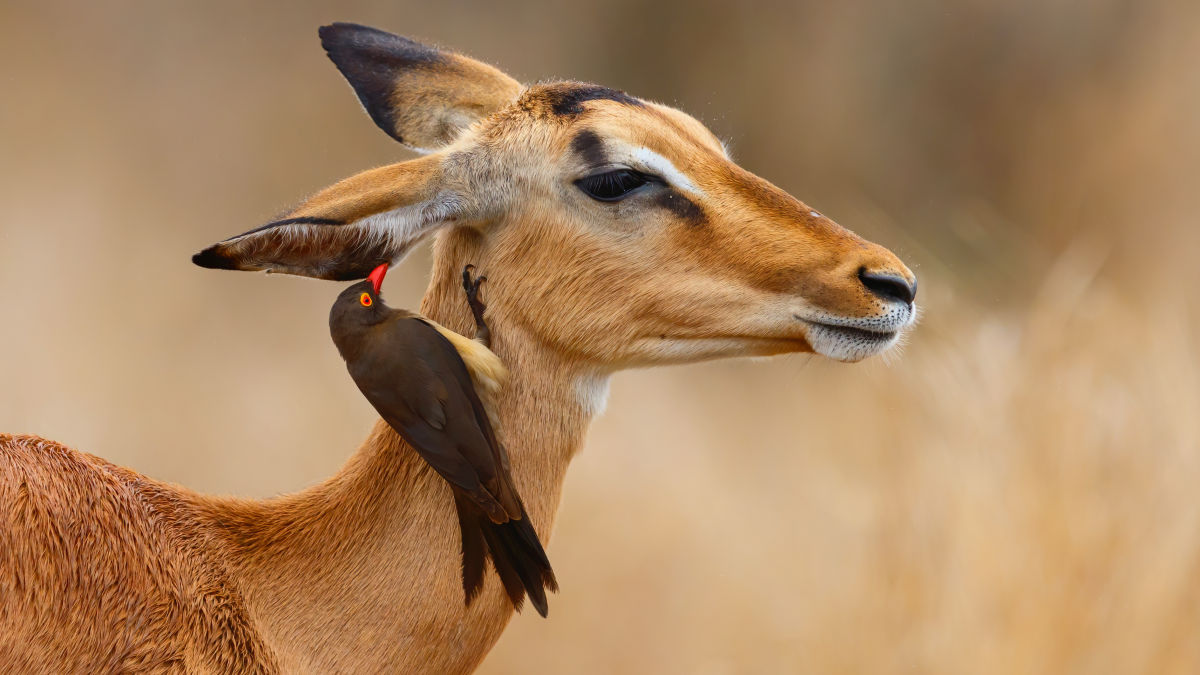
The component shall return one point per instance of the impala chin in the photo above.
(663, 350)
(854, 339)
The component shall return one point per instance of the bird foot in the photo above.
(471, 286)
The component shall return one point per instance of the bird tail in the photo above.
(515, 550)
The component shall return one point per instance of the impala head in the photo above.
(614, 229)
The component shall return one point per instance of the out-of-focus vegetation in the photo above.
(1015, 493)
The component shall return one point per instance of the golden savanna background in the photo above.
(1017, 492)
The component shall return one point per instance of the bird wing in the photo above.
(419, 384)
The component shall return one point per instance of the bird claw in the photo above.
(471, 286)
(467, 277)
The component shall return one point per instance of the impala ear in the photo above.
(421, 96)
(347, 229)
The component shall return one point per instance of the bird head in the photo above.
(360, 305)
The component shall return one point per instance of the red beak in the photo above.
(376, 277)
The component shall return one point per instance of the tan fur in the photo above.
(103, 570)
(430, 115)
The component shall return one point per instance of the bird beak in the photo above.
(376, 276)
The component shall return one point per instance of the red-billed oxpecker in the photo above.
(434, 387)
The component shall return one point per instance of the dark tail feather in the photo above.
(516, 553)
(474, 551)
(513, 585)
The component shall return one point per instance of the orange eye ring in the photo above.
(365, 299)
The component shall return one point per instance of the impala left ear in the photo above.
(349, 228)
(422, 96)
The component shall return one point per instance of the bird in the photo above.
(434, 387)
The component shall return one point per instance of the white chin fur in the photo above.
(850, 339)
(845, 345)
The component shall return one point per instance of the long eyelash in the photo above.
(614, 185)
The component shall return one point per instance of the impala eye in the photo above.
(612, 186)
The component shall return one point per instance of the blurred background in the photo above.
(1017, 492)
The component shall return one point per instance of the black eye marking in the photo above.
(590, 148)
(612, 186)
(684, 208)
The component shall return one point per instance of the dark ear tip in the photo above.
(341, 32)
(335, 30)
(212, 259)
(343, 26)
(336, 34)
(353, 37)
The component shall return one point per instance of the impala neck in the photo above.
(362, 573)
(542, 411)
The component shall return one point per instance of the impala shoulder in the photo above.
(33, 459)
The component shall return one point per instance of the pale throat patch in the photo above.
(592, 392)
(657, 164)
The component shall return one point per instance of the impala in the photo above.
(615, 233)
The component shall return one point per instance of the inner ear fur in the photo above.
(422, 96)
(349, 228)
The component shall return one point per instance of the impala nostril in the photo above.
(889, 286)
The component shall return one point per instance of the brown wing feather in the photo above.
(418, 383)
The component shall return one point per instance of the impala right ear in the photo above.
(421, 96)
(349, 228)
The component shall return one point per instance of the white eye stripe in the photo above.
(657, 164)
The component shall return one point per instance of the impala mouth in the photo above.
(856, 333)
(852, 339)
